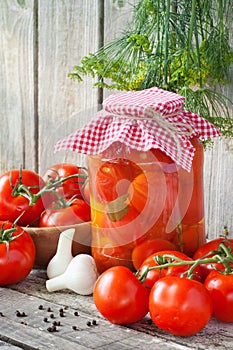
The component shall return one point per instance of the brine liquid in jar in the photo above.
(138, 196)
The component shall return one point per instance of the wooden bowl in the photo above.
(46, 240)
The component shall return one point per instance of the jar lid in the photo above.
(142, 120)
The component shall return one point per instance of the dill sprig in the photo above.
(177, 45)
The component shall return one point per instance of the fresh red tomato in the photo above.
(17, 253)
(76, 212)
(114, 177)
(149, 247)
(120, 297)
(12, 204)
(154, 275)
(71, 187)
(180, 306)
(220, 287)
(210, 248)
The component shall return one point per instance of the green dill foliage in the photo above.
(177, 45)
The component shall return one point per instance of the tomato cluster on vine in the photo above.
(181, 294)
(57, 198)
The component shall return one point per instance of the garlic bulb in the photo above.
(80, 276)
(63, 256)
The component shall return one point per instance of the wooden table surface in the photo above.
(32, 331)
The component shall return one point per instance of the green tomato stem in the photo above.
(223, 256)
(50, 187)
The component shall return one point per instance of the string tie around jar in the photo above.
(173, 128)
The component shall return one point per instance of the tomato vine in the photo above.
(50, 187)
(223, 255)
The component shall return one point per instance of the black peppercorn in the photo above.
(52, 329)
(20, 314)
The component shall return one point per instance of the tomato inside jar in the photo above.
(139, 196)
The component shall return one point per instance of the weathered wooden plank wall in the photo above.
(40, 42)
(67, 30)
(17, 76)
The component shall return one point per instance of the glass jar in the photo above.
(138, 196)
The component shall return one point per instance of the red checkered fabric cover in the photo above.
(151, 118)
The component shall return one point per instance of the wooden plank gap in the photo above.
(36, 82)
(17, 344)
(100, 44)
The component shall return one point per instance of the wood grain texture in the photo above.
(5, 346)
(218, 180)
(67, 30)
(218, 172)
(17, 112)
(30, 293)
(117, 18)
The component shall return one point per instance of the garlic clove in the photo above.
(80, 276)
(63, 256)
(56, 283)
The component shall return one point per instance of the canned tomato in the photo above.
(137, 196)
(145, 165)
